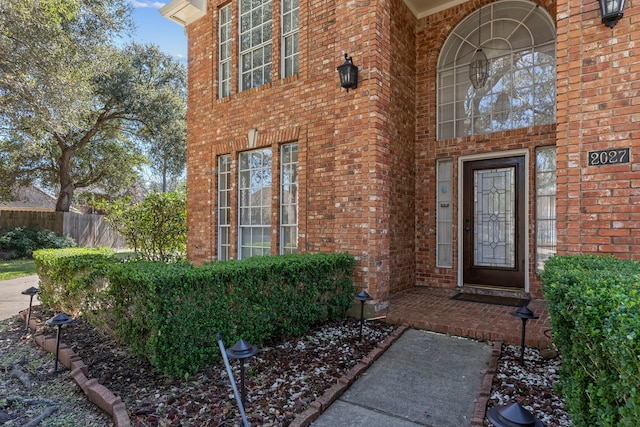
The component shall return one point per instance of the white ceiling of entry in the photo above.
(422, 8)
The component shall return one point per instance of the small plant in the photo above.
(154, 228)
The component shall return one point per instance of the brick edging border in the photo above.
(322, 403)
(98, 394)
(479, 413)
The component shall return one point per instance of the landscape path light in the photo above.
(242, 350)
(245, 422)
(58, 320)
(362, 296)
(525, 314)
(31, 292)
(512, 415)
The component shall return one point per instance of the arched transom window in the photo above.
(518, 38)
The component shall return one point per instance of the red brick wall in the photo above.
(598, 108)
(355, 148)
(367, 157)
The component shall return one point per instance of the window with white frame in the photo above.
(518, 38)
(255, 43)
(290, 37)
(224, 206)
(224, 66)
(254, 185)
(289, 199)
(546, 238)
(444, 213)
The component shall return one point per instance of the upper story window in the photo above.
(224, 66)
(290, 37)
(518, 38)
(255, 43)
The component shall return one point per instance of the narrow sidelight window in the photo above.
(224, 206)
(289, 199)
(444, 214)
(546, 238)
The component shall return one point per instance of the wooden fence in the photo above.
(86, 229)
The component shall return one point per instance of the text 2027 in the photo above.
(608, 157)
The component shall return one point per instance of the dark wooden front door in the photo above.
(494, 212)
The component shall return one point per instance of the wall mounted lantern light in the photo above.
(611, 11)
(348, 74)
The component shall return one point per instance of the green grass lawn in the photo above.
(17, 268)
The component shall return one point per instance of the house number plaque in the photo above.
(608, 157)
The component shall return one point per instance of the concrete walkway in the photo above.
(11, 299)
(423, 379)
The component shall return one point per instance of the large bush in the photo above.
(154, 228)
(594, 306)
(22, 241)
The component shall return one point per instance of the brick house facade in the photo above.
(374, 176)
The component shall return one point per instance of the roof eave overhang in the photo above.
(184, 12)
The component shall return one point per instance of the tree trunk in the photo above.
(65, 197)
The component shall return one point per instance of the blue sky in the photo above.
(151, 27)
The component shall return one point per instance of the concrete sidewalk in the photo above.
(11, 299)
(423, 379)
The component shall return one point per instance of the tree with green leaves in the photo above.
(74, 108)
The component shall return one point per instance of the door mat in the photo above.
(491, 299)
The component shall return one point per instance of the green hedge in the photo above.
(68, 277)
(22, 241)
(594, 307)
(171, 312)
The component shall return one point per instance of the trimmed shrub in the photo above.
(69, 277)
(171, 312)
(22, 241)
(594, 306)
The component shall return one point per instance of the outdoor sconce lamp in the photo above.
(58, 320)
(362, 296)
(525, 314)
(31, 292)
(348, 74)
(242, 350)
(611, 11)
(512, 415)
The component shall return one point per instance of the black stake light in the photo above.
(58, 320)
(31, 292)
(242, 350)
(362, 296)
(512, 415)
(525, 314)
